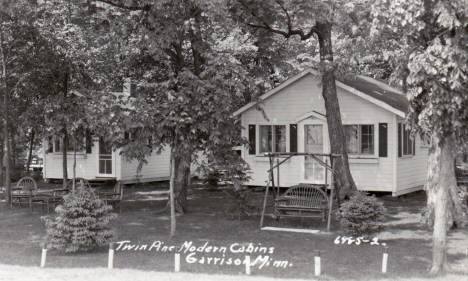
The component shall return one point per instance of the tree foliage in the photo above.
(432, 69)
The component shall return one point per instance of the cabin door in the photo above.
(106, 160)
(312, 171)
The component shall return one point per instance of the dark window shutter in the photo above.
(252, 140)
(57, 145)
(399, 140)
(127, 135)
(89, 143)
(383, 133)
(414, 146)
(50, 145)
(292, 137)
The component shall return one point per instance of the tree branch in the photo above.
(286, 13)
(286, 34)
(123, 6)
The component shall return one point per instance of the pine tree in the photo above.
(81, 224)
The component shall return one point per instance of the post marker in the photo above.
(385, 260)
(318, 270)
(247, 264)
(177, 260)
(44, 255)
(111, 256)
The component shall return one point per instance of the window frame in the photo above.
(273, 138)
(60, 146)
(406, 137)
(359, 139)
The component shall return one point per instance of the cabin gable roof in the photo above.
(370, 89)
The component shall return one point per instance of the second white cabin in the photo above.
(383, 155)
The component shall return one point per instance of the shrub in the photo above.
(242, 201)
(81, 223)
(362, 215)
(213, 177)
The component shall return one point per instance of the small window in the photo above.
(80, 146)
(273, 138)
(359, 139)
(407, 141)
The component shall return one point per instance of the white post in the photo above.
(318, 270)
(384, 261)
(44, 255)
(247, 264)
(111, 256)
(177, 260)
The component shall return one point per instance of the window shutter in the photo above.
(50, 144)
(399, 140)
(383, 133)
(292, 137)
(252, 140)
(57, 145)
(414, 146)
(89, 143)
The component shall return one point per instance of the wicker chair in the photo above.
(302, 201)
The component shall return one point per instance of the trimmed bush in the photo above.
(362, 215)
(81, 224)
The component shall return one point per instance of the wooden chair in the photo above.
(114, 197)
(24, 192)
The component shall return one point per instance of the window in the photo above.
(407, 141)
(359, 139)
(80, 146)
(273, 138)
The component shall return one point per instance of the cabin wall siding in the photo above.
(301, 97)
(87, 166)
(412, 170)
(158, 167)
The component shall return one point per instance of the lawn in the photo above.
(206, 224)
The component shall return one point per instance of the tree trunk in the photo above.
(456, 215)
(7, 152)
(443, 206)
(64, 160)
(1, 168)
(65, 138)
(74, 165)
(440, 194)
(31, 145)
(344, 183)
(171, 193)
(183, 181)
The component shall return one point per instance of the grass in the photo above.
(206, 222)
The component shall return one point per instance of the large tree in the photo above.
(309, 21)
(432, 38)
(85, 61)
(21, 53)
(189, 81)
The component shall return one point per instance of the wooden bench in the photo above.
(302, 200)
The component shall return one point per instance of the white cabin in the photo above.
(383, 155)
(97, 161)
